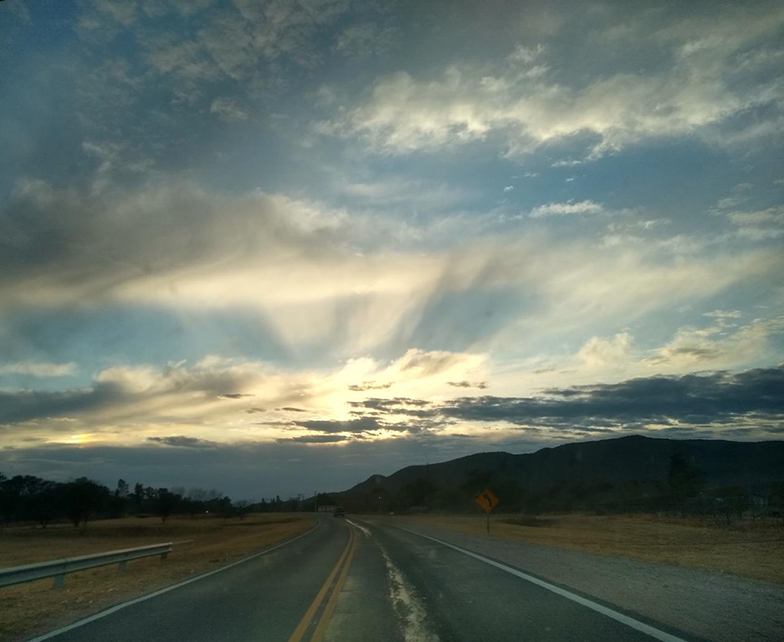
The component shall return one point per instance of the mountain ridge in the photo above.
(626, 468)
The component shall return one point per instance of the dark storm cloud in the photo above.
(690, 398)
(710, 399)
(234, 395)
(383, 404)
(359, 425)
(292, 409)
(22, 405)
(181, 441)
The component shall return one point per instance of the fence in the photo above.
(58, 568)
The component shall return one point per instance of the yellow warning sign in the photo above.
(486, 500)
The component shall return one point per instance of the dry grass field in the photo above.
(749, 549)
(201, 544)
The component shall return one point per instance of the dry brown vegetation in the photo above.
(750, 549)
(201, 544)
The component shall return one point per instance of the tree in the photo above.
(242, 508)
(137, 497)
(122, 489)
(685, 479)
(167, 503)
(43, 505)
(81, 498)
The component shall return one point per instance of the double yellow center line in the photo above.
(344, 562)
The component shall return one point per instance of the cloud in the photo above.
(693, 347)
(365, 39)
(39, 369)
(720, 397)
(699, 92)
(599, 352)
(567, 163)
(180, 441)
(429, 363)
(386, 404)
(233, 395)
(508, 188)
(481, 385)
(724, 314)
(758, 225)
(361, 425)
(369, 385)
(228, 111)
(561, 209)
(313, 439)
(125, 395)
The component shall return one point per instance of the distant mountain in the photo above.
(608, 472)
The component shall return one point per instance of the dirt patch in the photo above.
(199, 545)
(753, 550)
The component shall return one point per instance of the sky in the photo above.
(277, 247)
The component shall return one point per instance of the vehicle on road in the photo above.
(339, 512)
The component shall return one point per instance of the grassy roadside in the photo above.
(201, 544)
(751, 550)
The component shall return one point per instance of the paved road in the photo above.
(349, 580)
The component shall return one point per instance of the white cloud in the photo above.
(724, 314)
(224, 399)
(601, 352)
(567, 163)
(561, 209)
(402, 192)
(228, 111)
(321, 277)
(508, 188)
(759, 225)
(715, 346)
(38, 369)
(530, 107)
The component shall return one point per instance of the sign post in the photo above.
(487, 502)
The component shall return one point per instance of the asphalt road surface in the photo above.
(350, 580)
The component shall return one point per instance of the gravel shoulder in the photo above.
(706, 604)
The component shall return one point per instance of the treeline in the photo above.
(683, 492)
(30, 499)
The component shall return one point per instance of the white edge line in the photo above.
(619, 617)
(166, 589)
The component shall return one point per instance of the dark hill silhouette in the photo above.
(610, 473)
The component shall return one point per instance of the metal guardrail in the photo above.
(58, 568)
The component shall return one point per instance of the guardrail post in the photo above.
(165, 555)
(122, 565)
(59, 581)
